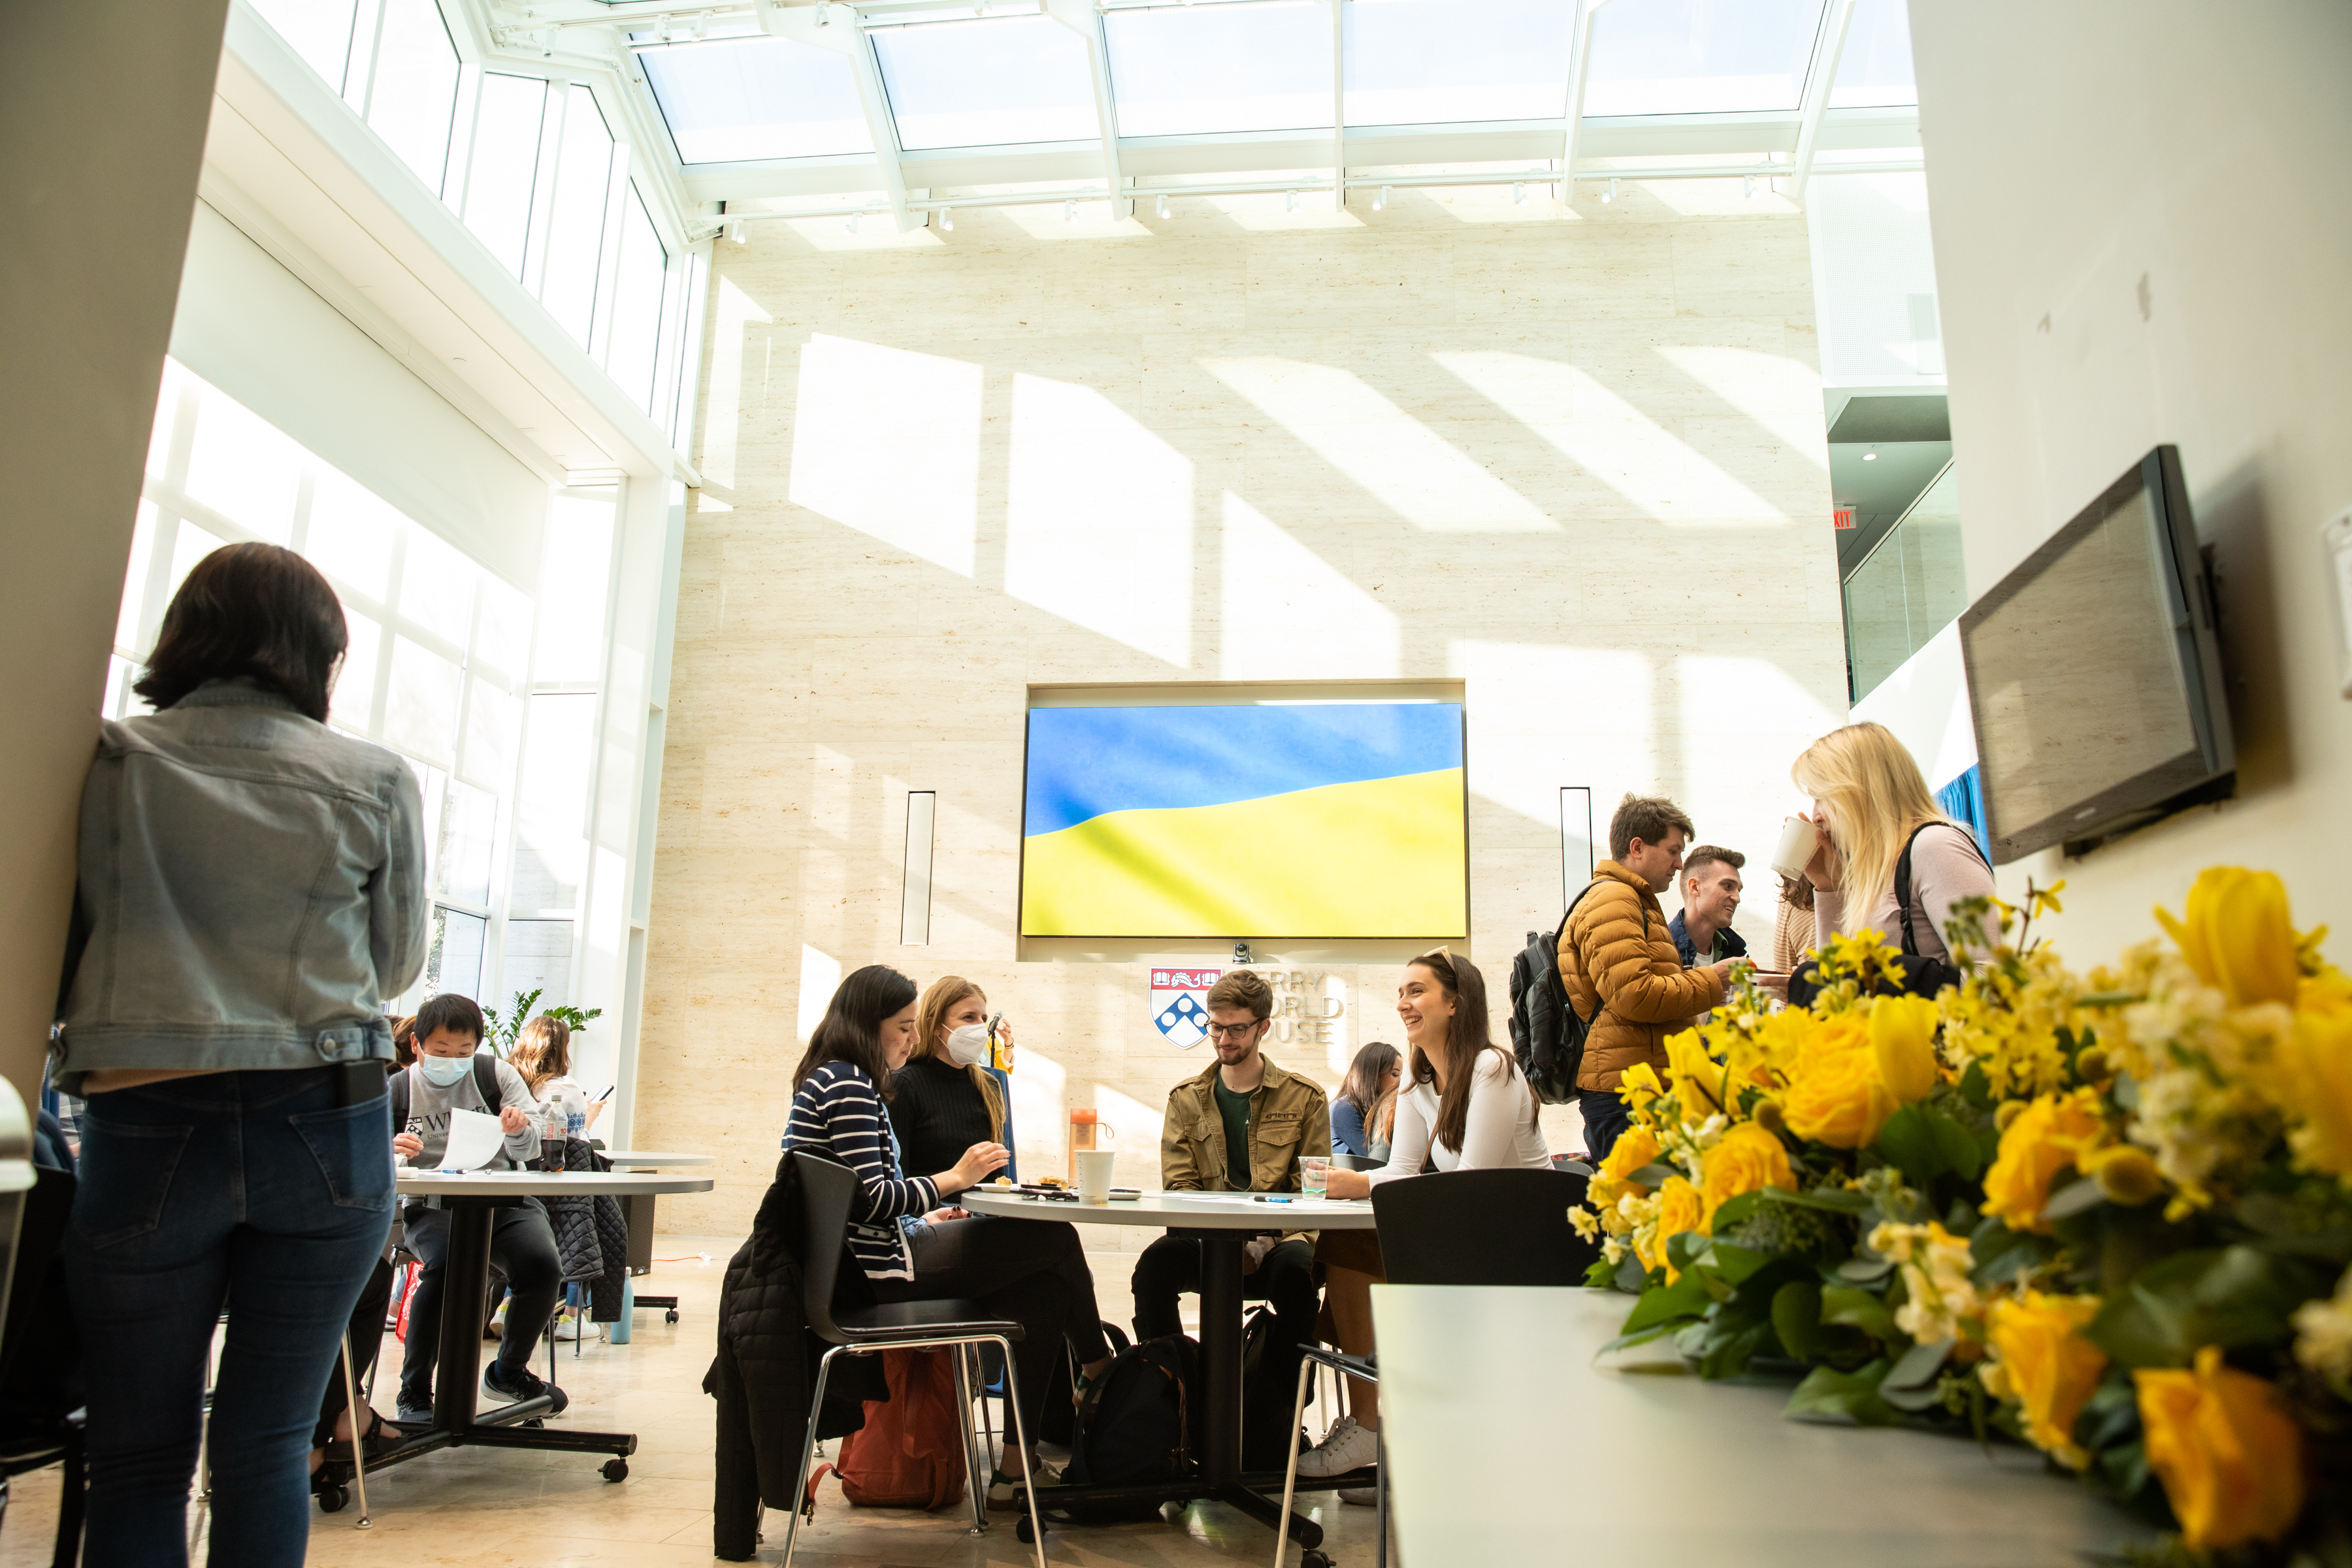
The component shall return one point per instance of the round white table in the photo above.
(1223, 1222)
(643, 1160)
(472, 1198)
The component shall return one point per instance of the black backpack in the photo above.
(1922, 975)
(1136, 1422)
(486, 1084)
(1546, 1035)
(1269, 1437)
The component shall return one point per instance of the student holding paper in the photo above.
(450, 1078)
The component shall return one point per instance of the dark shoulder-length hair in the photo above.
(254, 612)
(851, 1029)
(1466, 1037)
(1361, 1086)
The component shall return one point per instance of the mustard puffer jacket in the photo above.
(1617, 955)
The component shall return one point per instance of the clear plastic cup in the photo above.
(1313, 1175)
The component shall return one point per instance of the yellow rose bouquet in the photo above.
(2108, 1215)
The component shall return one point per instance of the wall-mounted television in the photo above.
(2094, 674)
(1270, 819)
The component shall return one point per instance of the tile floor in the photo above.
(474, 1508)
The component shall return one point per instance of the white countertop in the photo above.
(646, 1159)
(541, 1184)
(1511, 1443)
(1190, 1211)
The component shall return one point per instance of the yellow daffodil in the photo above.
(2237, 936)
(1698, 1077)
(1637, 1146)
(1903, 1037)
(1679, 1208)
(1835, 1095)
(1748, 1157)
(2047, 1366)
(2053, 1132)
(2230, 1456)
(2316, 1059)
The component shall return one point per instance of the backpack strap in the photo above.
(399, 1092)
(1903, 878)
(1562, 935)
(485, 1081)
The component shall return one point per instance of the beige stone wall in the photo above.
(1574, 460)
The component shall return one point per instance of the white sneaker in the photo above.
(1361, 1497)
(1347, 1447)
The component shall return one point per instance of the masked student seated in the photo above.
(451, 1075)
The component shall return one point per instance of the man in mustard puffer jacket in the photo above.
(1620, 965)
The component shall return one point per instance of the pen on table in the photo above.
(1270, 1198)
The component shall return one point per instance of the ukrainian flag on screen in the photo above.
(1340, 819)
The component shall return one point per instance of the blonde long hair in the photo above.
(1877, 798)
(542, 1051)
(946, 994)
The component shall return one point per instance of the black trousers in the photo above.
(1284, 1280)
(1032, 1272)
(523, 1245)
(366, 1338)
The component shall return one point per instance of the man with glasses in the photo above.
(1240, 1127)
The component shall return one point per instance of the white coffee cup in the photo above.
(1799, 839)
(1094, 1174)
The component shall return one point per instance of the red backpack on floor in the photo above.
(910, 1453)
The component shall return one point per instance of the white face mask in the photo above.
(446, 1071)
(968, 1046)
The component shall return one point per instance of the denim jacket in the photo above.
(251, 886)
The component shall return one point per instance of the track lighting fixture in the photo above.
(1611, 194)
(1519, 193)
(701, 26)
(947, 219)
(1869, 456)
(1069, 212)
(735, 231)
(1162, 208)
(1290, 201)
(849, 225)
(1749, 181)
(1382, 200)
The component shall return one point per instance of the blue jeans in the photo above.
(252, 1191)
(1606, 1117)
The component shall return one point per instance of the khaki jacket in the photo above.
(1618, 956)
(1289, 1115)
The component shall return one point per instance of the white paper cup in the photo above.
(1094, 1174)
(1795, 851)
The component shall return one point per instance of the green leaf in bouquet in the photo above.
(2001, 1254)
(1654, 1176)
(2232, 1297)
(1915, 1400)
(1732, 1263)
(1639, 1337)
(2078, 1196)
(1829, 1394)
(1974, 1087)
(1836, 1200)
(1917, 1366)
(1923, 1143)
(1683, 1299)
(1864, 1270)
(1797, 1318)
(1732, 1213)
(1631, 1278)
(1860, 1308)
(1728, 1352)
(1602, 1274)
(2292, 1223)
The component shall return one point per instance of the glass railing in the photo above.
(1910, 587)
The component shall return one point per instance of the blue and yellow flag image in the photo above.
(1314, 819)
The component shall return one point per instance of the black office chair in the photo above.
(1455, 1227)
(827, 1190)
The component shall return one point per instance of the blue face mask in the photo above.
(447, 1071)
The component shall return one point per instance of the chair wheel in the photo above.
(1314, 1559)
(670, 1316)
(617, 1469)
(1021, 1530)
(331, 1499)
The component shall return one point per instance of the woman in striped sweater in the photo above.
(912, 1246)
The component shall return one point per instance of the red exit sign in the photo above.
(1842, 518)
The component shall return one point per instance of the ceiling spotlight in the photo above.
(661, 30)
(1749, 181)
(1163, 206)
(1382, 200)
(1519, 192)
(849, 225)
(1069, 212)
(947, 220)
(1869, 456)
(701, 26)
(735, 231)
(1611, 194)
(1290, 201)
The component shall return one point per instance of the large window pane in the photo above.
(538, 958)
(469, 820)
(351, 533)
(757, 97)
(319, 30)
(1874, 71)
(353, 706)
(1421, 62)
(575, 236)
(1700, 57)
(636, 304)
(127, 619)
(415, 91)
(987, 83)
(192, 545)
(502, 637)
(420, 708)
(1181, 71)
(436, 586)
(505, 167)
(552, 813)
(493, 728)
(244, 468)
(454, 964)
(572, 579)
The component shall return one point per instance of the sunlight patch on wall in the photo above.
(1782, 395)
(1098, 519)
(1546, 716)
(1405, 463)
(1288, 613)
(886, 441)
(1743, 722)
(820, 977)
(1138, 1135)
(1611, 440)
(723, 414)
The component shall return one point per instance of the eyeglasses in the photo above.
(1231, 1031)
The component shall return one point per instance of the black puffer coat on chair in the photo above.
(766, 1372)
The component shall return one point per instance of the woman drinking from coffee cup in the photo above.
(1872, 813)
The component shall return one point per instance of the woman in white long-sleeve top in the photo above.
(911, 1243)
(1467, 1108)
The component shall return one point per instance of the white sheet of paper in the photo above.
(475, 1140)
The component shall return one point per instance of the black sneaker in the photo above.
(417, 1416)
(521, 1385)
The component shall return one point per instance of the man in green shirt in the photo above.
(1240, 1126)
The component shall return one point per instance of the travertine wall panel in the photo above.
(1571, 460)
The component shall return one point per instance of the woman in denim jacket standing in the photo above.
(251, 886)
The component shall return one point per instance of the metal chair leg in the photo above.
(358, 1434)
(1021, 1438)
(1290, 1475)
(808, 1447)
(975, 1478)
(1381, 1496)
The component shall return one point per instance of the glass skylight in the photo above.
(1424, 62)
(1874, 71)
(584, 180)
(757, 97)
(319, 30)
(1700, 57)
(1183, 70)
(992, 82)
(504, 167)
(415, 93)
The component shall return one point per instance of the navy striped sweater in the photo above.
(839, 1113)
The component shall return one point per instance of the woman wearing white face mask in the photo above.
(945, 1099)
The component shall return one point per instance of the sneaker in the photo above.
(1004, 1491)
(522, 1383)
(1347, 1447)
(409, 1415)
(1361, 1497)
